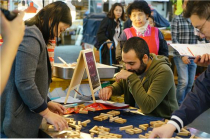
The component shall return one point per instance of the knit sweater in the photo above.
(155, 93)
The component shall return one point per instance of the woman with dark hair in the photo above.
(151, 21)
(109, 30)
(139, 12)
(24, 102)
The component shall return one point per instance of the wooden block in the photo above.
(114, 118)
(115, 135)
(87, 121)
(125, 127)
(81, 106)
(183, 133)
(147, 134)
(104, 114)
(114, 113)
(76, 108)
(77, 131)
(51, 128)
(166, 121)
(142, 127)
(142, 136)
(152, 122)
(74, 134)
(97, 118)
(146, 125)
(184, 130)
(72, 125)
(129, 131)
(92, 135)
(79, 123)
(93, 131)
(105, 117)
(91, 109)
(68, 129)
(157, 125)
(102, 137)
(68, 119)
(119, 121)
(104, 128)
(103, 133)
(137, 130)
(74, 122)
(193, 136)
(83, 112)
(178, 137)
(94, 127)
(78, 127)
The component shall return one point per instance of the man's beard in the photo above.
(141, 69)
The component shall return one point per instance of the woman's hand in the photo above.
(109, 44)
(58, 121)
(56, 107)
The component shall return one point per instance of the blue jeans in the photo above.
(186, 75)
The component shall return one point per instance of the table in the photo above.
(132, 119)
(64, 83)
(166, 34)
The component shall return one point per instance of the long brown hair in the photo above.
(56, 12)
(111, 11)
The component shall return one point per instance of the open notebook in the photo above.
(192, 50)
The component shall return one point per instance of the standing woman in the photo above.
(139, 12)
(110, 30)
(24, 101)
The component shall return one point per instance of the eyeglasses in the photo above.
(200, 30)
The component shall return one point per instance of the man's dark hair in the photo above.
(200, 8)
(137, 44)
(111, 11)
(140, 6)
(55, 12)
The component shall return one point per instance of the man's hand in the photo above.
(56, 107)
(185, 60)
(165, 131)
(203, 60)
(123, 74)
(105, 93)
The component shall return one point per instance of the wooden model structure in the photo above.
(86, 60)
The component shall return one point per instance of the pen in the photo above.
(80, 93)
(190, 51)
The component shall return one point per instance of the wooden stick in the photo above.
(126, 127)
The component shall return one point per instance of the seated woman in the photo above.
(110, 30)
(139, 12)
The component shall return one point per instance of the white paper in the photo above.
(70, 100)
(192, 50)
(111, 103)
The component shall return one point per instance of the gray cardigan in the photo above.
(27, 87)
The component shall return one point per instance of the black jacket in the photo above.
(106, 31)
